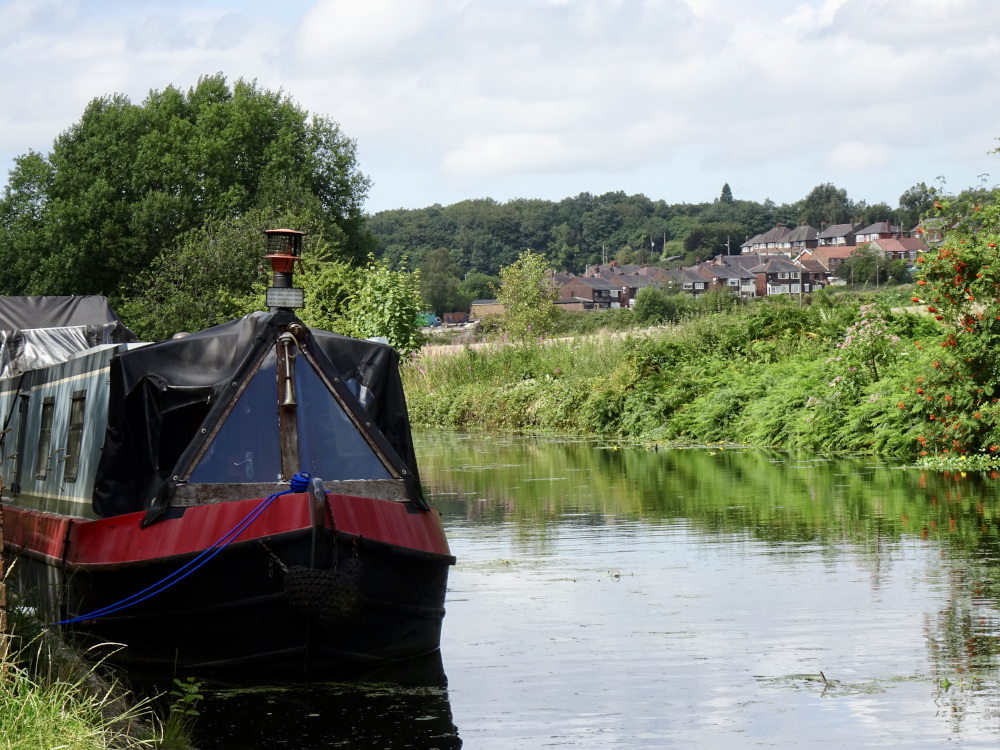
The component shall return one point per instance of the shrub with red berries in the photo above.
(959, 284)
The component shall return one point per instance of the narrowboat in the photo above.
(243, 496)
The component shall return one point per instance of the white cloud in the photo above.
(469, 97)
(855, 156)
(344, 28)
(511, 152)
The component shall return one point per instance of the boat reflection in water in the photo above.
(405, 704)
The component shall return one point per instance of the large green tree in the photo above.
(126, 183)
(826, 203)
(915, 203)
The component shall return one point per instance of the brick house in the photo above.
(880, 230)
(783, 277)
(735, 279)
(803, 237)
(601, 292)
(687, 281)
(768, 242)
(830, 256)
(904, 248)
(839, 235)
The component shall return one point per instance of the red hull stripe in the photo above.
(120, 539)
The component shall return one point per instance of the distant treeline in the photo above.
(484, 235)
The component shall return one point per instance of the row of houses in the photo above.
(780, 261)
(782, 239)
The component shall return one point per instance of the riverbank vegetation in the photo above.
(54, 695)
(52, 698)
(769, 373)
(829, 372)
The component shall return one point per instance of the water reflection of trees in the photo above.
(771, 496)
(792, 502)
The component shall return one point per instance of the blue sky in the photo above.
(456, 99)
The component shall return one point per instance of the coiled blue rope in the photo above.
(298, 483)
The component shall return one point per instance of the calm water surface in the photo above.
(627, 598)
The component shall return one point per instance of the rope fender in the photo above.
(298, 483)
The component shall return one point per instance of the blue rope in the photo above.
(299, 483)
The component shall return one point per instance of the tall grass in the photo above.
(765, 374)
(51, 696)
(38, 713)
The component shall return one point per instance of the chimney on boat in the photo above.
(284, 249)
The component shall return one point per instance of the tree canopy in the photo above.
(484, 235)
(124, 188)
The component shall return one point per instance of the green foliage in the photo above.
(386, 303)
(440, 283)
(868, 347)
(826, 203)
(53, 698)
(958, 284)
(526, 293)
(126, 186)
(865, 267)
(330, 287)
(764, 373)
(654, 306)
(217, 272)
(183, 713)
(914, 204)
(487, 235)
(480, 286)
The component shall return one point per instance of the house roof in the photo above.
(596, 282)
(878, 228)
(801, 233)
(902, 245)
(777, 265)
(824, 253)
(747, 260)
(649, 270)
(813, 266)
(837, 230)
(686, 275)
(637, 281)
(775, 234)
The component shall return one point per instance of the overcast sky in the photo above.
(456, 99)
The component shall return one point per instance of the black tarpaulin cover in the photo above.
(151, 383)
(38, 332)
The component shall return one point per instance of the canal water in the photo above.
(613, 596)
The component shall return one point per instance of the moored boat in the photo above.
(244, 495)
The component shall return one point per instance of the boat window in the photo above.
(330, 446)
(74, 438)
(247, 448)
(44, 438)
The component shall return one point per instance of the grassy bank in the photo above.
(769, 374)
(53, 696)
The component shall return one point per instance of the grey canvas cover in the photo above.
(37, 332)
